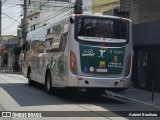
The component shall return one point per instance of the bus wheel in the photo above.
(48, 83)
(30, 81)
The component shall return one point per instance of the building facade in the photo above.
(112, 7)
(145, 15)
(5, 50)
(41, 13)
(105, 6)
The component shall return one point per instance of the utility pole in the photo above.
(0, 29)
(24, 24)
(24, 29)
(0, 18)
(78, 7)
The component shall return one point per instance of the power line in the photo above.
(58, 18)
(24, 30)
(4, 2)
(11, 18)
(41, 6)
(8, 7)
(10, 2)
(65, 8)
(13, 13)
(58, 12)
(5, 8)
(11, 24)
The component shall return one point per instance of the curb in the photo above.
(10, 72)
(14, 72)
(131, 99)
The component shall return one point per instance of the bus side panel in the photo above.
(25, 64)
(30, 61)
(128, 52)
(40, 68)
(128, 77)
(72, 80)
(33, 66)
(24, 68)
(56, 64)
(127, 82)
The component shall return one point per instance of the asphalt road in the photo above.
(17, 96)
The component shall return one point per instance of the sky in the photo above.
(11, 11)
(11, 16)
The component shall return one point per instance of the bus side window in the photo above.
(64, 37)
(41, 46)
(33, 44)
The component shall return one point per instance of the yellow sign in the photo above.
(102, 64)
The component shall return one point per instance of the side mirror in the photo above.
(71, 20)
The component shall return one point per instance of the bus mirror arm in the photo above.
(71, 20)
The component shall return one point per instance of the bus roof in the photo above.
(43, 29)
(101, 15)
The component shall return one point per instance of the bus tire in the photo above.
(48, 83)
(30, 81)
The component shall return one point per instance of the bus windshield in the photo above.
(102, 29)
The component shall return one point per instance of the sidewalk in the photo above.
(9, 71)
(142, 96)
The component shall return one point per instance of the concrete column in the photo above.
(142, 11)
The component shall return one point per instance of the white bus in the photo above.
(85, 52)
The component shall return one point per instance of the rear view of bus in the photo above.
(100, 53)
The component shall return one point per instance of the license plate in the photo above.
(101, 70)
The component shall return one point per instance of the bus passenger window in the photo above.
(64, 38)
(63, 42)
